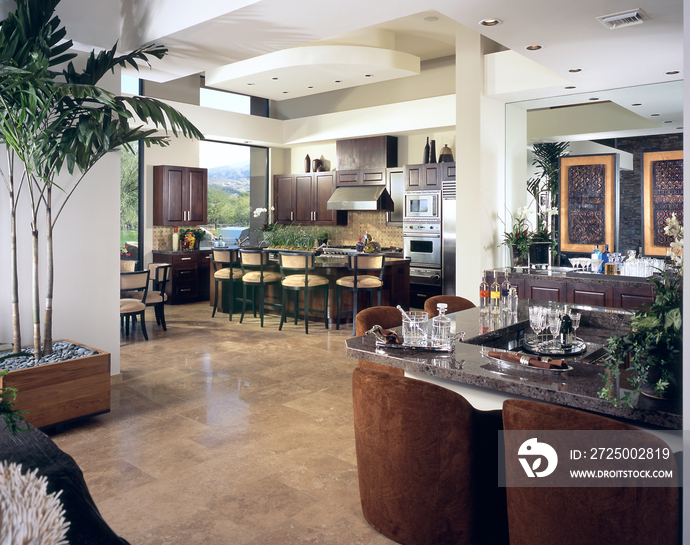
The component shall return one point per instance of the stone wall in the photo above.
(630, 234)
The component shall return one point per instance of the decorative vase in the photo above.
(307, 163)
(426, 151)
(539, 253)
(315, 164)
(445, 155)
(652, 403)
(516, 259)
(432, 153)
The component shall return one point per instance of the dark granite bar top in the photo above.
(576, 388)
(565, 274)
(183, 252)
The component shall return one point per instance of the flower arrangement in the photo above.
(268, 226)
(522, 235)
(675, 229)
(124, 252)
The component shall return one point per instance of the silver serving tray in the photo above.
(519, 366)
(381, 342)
(544, 349)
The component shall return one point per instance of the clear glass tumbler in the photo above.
(414, 328)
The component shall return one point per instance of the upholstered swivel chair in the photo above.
(360, 280)
(296, 269)
(544, 516)
(427, 462)
(255, 274)
(227, 272)
(159, 274)
(387, 318)
(454, 302)
(137, 281)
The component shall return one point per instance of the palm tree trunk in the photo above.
(16, 323)
(48, 312)
(34, 288)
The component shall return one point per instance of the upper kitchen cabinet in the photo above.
(375, 152)
(179, 195)
(303, 199)
(423, 177)
(367, 176)
(448, 171)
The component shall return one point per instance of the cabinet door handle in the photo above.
(292, 216)
(185, 259)
(186, 289)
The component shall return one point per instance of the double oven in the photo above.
(422, 243)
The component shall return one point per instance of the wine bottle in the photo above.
(505, 292)
(566, 331)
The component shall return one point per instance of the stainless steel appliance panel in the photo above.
(448, 203)
(423, 205)
(422, 244)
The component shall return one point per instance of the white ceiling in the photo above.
(209, 37)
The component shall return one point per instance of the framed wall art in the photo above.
(588, 202)
(662, 195)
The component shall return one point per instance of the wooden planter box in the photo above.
(63, 391)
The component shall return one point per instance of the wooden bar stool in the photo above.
(294, 269)
(254, 263)
(225, 271)
(360, 265)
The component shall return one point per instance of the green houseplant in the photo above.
(50, 122)
(653, 349)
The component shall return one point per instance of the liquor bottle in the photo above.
(440, 328)
(513, 299)
(566, 331)
(596, 255)
(505, 292)
(483, 295)
(359, 246)
(175, 240)
(495, 307)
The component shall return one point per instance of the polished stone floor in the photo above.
(227, 433)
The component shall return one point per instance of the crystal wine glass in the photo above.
(554, 321)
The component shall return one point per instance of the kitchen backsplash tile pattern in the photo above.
(162, 238)
(360, 222)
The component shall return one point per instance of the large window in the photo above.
(129, 204)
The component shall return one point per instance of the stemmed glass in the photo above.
(575, 317)
(537, 320)
(554, 321)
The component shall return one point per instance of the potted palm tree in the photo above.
(53, 122)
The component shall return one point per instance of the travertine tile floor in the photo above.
(227, 433)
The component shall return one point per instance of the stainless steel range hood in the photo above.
(361, 197)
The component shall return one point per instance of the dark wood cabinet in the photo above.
(540, 290)
(448, 172)
(364, 153)
(303, 199)
(632, 297)
(423, 177)
(369, 176)
(588, 294)
(189, 275)
(179, 195)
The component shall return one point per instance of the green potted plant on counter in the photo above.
(519, 238)
(653, 349)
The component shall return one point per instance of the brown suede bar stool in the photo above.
(295, 268)
(360, 265)
(427, 462)
(254, 263)
(225, 271)
(387, 318)
(544, 516)
(455, 304)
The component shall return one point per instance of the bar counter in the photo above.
(482, 381)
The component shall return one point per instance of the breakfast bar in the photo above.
(485, 384)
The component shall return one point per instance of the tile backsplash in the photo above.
(162, 238)
(360, 222)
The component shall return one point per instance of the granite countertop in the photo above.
(203, 249)
(576, 388)
(565, 274)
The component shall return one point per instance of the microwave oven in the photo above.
(423, 205)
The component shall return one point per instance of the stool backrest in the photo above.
(294, 260)
(225, 256)
(253, 258)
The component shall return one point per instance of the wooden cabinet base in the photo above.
(62, 391)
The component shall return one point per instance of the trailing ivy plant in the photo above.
(653, 347)
(13, 417)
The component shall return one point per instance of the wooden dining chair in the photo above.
(361, 280)
(296, 276)
(137, 281)
(159, 275)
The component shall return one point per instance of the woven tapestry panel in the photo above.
(667, 196)
(586, 204)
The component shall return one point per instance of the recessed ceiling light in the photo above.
(673, 72)
(431, 19)
(285, 92)
(338, 81)
(679, 128)
(594, 98)
(490, 22)
(310, 87)
(575, 70)
(250, 84)
(570, 87)
(668, 121)
(274, 78)
(637, 104)
(368, 75)
(656, 115)
(533, 47)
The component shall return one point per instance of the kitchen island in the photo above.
(485, 384)
(396, 287)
